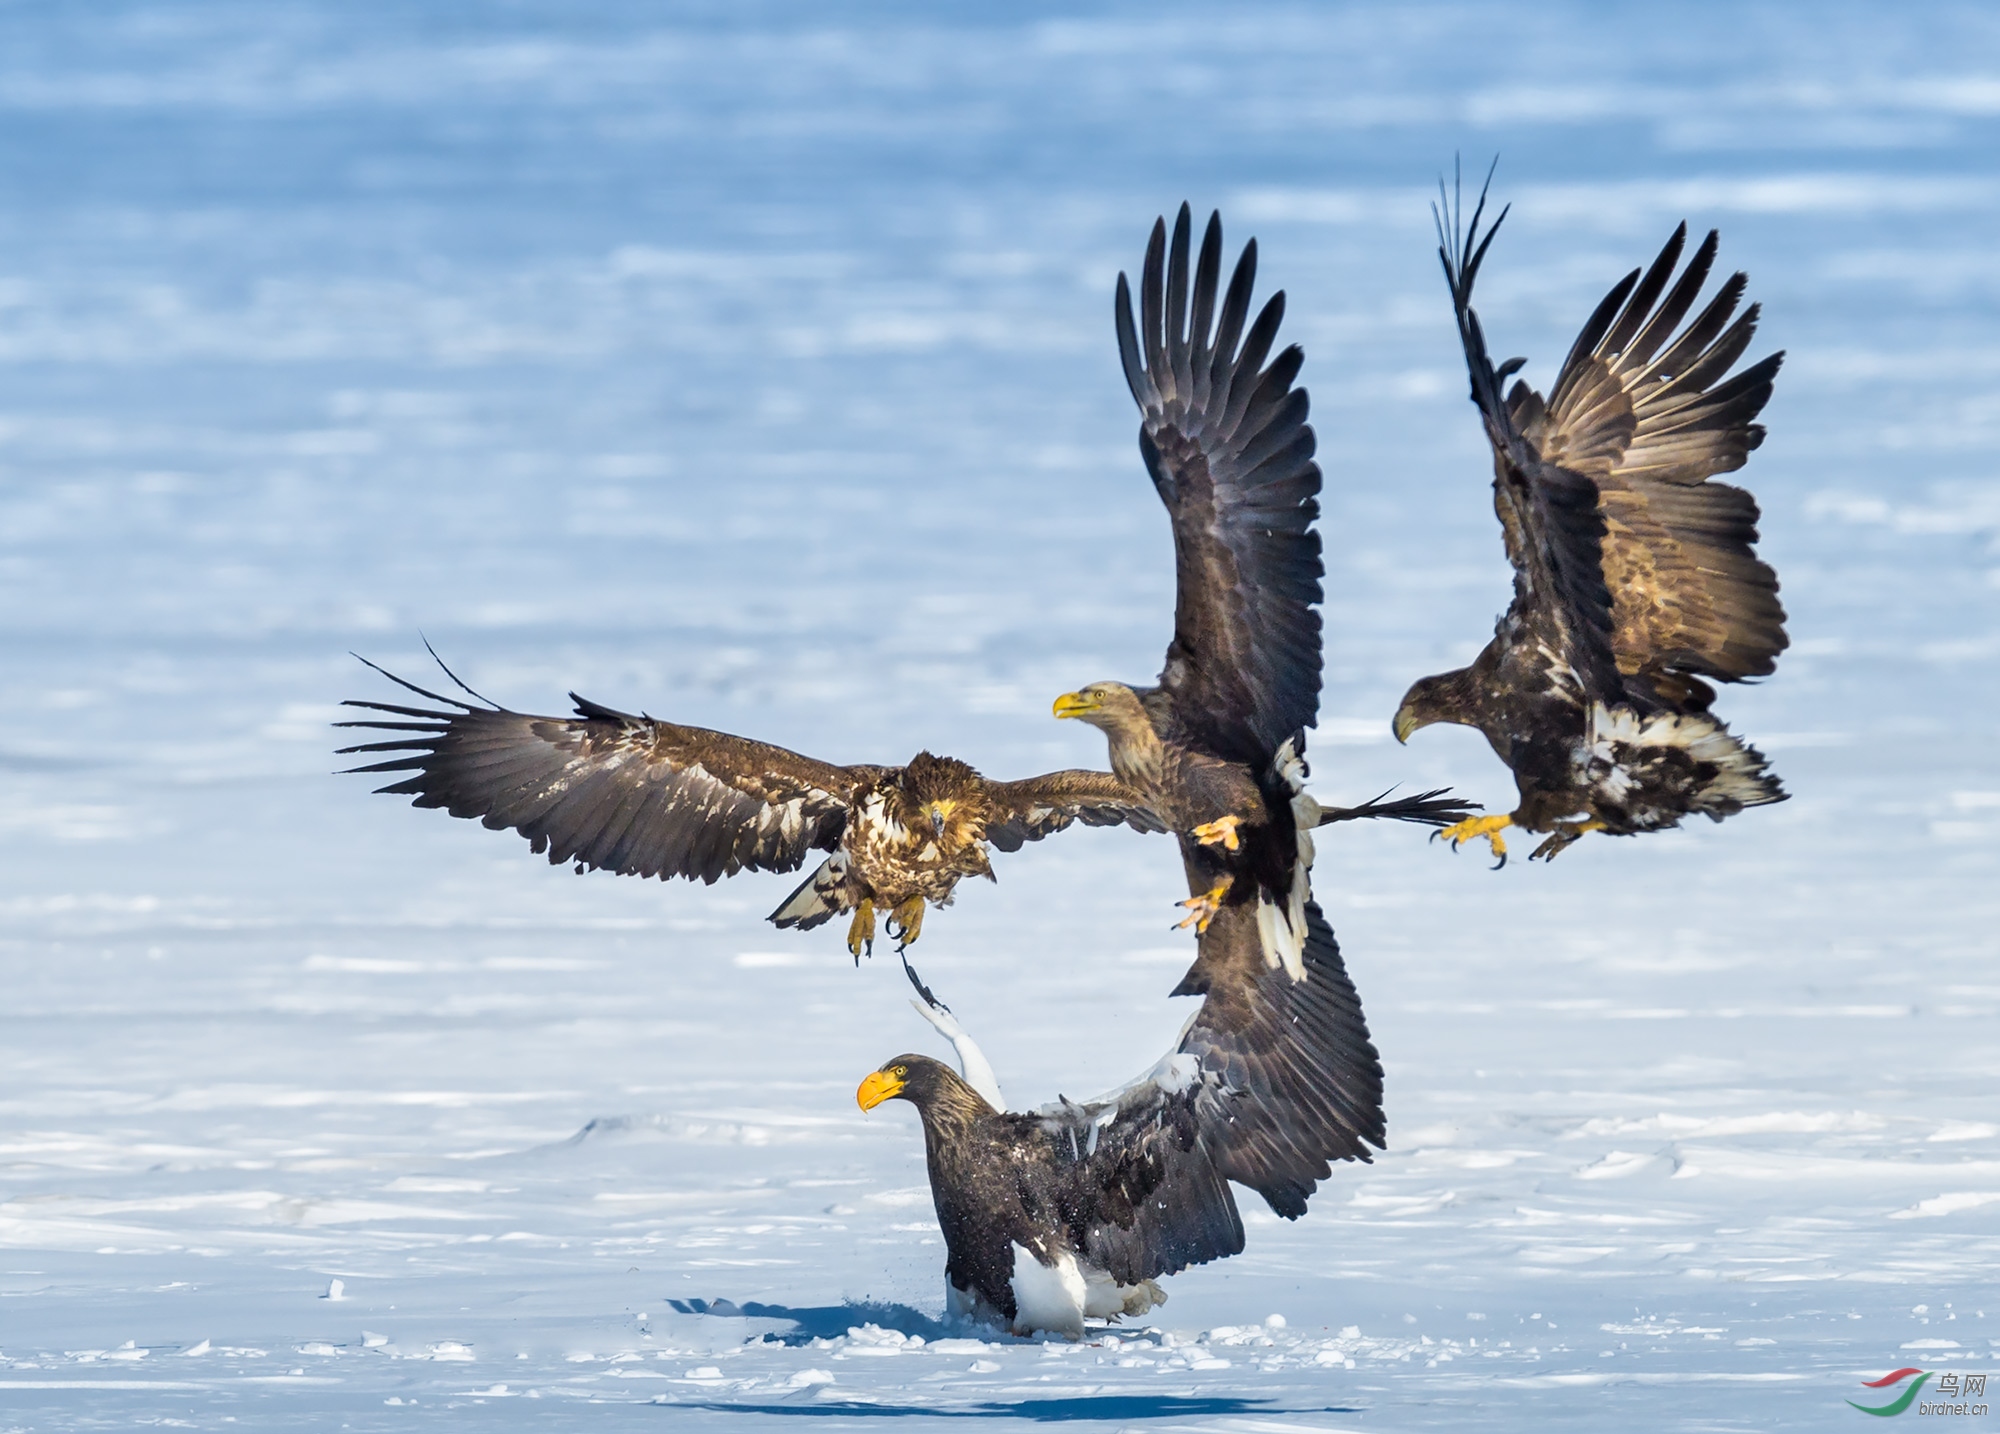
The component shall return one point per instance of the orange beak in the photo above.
(878, 1087)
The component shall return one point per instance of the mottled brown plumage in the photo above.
(638, 796)
(1636, 583)
(1272, 1080)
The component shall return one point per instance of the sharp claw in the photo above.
(861, 932)
(1488, 827)
(1201, 909)
(1220, 832)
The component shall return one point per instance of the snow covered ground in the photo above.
(754, 365)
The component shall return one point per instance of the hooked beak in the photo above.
(1406, 723)
(878, 1087)
(1075, 704)
(937, 821)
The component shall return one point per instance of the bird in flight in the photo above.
(1636, 581)
(638, 796)
(1216, 749)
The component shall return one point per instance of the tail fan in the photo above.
(819, 898)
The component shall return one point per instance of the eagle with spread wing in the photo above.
(638, 796)
(1216, 750)
(1636, 583)
(1075, 1210)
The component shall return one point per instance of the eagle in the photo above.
(638, 796)
(1216, 749)
(1077, 1209)
(1636, 583)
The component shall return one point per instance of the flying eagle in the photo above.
(1077, 1209)
(638, 796)
(1216, 749)
(1635, 579)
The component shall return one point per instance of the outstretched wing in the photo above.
(1648, 415)
(1559, 625)
(1029, 810)
(606, 789)
(1229, 449)
(1272, 1081)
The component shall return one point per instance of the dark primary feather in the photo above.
(1227, 444)
(1288, 1082)
(604, 788)
(1548, 514)
(1642, 408)
(1603, 488)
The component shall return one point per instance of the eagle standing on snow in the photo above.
(1216, 750)
(639, 796)
(1074, 1211)
(1635, 582)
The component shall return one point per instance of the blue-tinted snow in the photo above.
(752, 364)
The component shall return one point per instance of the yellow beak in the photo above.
(1406, 723)
(878, 1087)
(1074, 704)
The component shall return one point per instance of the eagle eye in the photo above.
(901, 1071)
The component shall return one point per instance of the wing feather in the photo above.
(1548, 514)
(1272, 1081)
(627, 794)
(1036, 807)
(1646, 413)
(1229, 449)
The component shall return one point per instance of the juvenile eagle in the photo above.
(1635, 583)
(1216, 750)
(639, 796)
(1076, 1209)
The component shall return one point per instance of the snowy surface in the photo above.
(755, 367)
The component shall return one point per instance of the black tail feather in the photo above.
(1435, 808)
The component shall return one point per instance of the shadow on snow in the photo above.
(1045, 1411)
(821, 1321)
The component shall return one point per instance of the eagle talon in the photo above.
(906, 922)
(1221, 831)
(1201, 909)
(1472, 828)
(861, 931)
(1564, 835)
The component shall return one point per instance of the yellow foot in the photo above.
(1471, 827)
(861, 931)
(1564, 834)
(906, 922)
(1222, 830)
(1201, 909)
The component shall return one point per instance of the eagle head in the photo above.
(1108, 706)
(944, 799)
(933, 1087)
(1447, 697)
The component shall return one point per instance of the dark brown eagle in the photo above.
(639, 796)
(1216, 749)
(1074, 1211)
(1635, 579)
